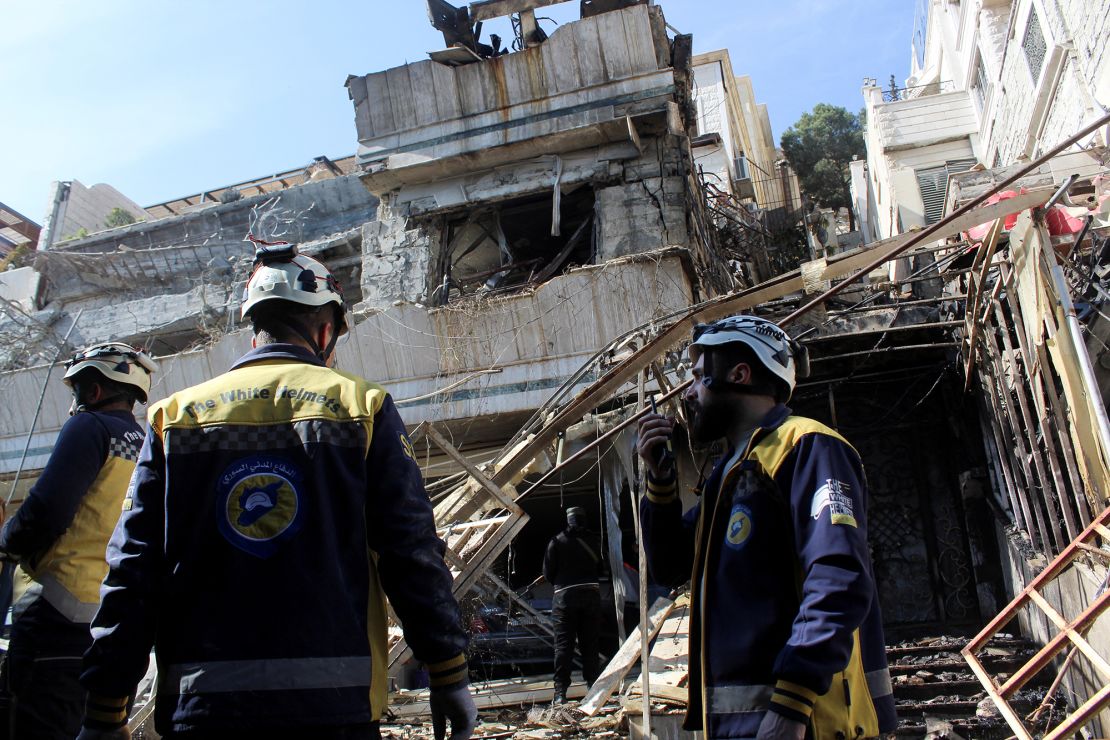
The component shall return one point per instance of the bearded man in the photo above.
(786, 637)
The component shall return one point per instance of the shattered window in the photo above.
(1034, 45)
(513, 244)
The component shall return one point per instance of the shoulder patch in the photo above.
(835, 496)
(739, 528)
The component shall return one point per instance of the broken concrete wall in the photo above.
(510, 352)
(429, 110)
(298, 214)
(396, 261)
(179, 275)
(641, 216)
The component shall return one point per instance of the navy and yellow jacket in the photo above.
(271, 511)
(61, 529)
(784, 613)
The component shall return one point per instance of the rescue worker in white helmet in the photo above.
(786, 633)
(59, 535)
(272, 510)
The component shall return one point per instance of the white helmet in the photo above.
(776, 351)
(280, 273)
(115, 361)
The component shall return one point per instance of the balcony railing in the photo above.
(894, 94)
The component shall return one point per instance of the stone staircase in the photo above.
(938, 696)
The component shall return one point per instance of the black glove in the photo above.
(455, 705)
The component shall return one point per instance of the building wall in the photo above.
(1003, 115)
(74, 207)
(1022, 115)
(923, 121)
(726, 105)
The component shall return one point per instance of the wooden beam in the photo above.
(478, 565)
(1034, 380)
(492, 488)
(1004, 708)
(975, 289)
(625, 658)
(1055, 568)
(1029, 427)
(992, 363)
(484, 10)
(1038, 364)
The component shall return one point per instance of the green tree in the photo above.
(118, 217)
(819, 147)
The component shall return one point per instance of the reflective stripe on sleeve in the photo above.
(737, 698)
(878, 683)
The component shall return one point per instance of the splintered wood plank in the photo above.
(625, 658)
(493, 489)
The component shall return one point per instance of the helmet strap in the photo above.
(78, 405)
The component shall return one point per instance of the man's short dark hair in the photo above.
(271, 320)
(724, 357)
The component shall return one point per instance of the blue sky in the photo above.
(165, 99)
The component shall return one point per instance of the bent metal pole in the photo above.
(38, 408)
(930, 230)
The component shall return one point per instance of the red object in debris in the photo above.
(977, 233)
(478, 626)
(1059, 221)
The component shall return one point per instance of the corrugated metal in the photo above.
(933, 183)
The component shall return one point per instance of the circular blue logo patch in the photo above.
(739, 527)
(260, 504)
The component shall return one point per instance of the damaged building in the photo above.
(527, 237)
